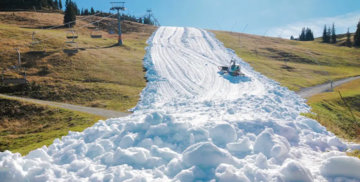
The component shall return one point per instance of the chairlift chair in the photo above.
(111, 27)
(36, 46)
(7, 79)
(97, 32)
(72, 33)
(17, 74)
(71, 47)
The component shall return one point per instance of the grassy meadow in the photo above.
(339, 111)
(25, 126)
(267, 55)
(100, 75)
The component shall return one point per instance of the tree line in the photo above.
(329, 36)
(356, 36)
(144, 19)
(305, 35)
(71, 10)
(29, 4)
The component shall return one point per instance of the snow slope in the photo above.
(192, 124)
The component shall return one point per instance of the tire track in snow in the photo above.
(182, 62)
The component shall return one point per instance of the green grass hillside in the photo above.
(340, 38)
(100, 75)
(267, 56)
(25, 126)
(339, 114)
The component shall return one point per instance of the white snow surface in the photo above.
(193, 124)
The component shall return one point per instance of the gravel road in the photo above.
(100, 112)
(310, 91)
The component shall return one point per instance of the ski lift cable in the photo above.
(52, 27)
(152, 15)
(58, 35)
(233, 26)
(55, 26)
(138, 15)
(242, 33)
(128, 11)
(61, 34)
(319, 65)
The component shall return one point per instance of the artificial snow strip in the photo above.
(193, 124)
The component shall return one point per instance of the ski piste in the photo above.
(194, 124)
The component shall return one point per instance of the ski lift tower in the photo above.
(119, 6)
(149, 11)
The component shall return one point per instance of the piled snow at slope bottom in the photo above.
(195, 125)
(341, 166)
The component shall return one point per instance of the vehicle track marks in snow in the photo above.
(193, 75)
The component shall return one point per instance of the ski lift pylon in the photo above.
(118, 6)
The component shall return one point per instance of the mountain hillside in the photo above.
(268, 55)
(100, 75)
(195, 124)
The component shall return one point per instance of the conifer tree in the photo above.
(333, 35)
(292, 38)
(75, 7)
(70, 14)
(92, 11)
(50, 3)
(348, 39)
(56, 4)
(324, 37)
(9, 5)
(302, 36)
(60, 5)
(357, 36)
(309, 35)
(44, 3)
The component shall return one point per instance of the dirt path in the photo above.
(310, 91)
(304, 93)
(100, 112)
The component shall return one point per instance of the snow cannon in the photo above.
(232, 70)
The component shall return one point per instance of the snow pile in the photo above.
(271, 145)
(341, 166)
(193, 124)
(294, 171)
